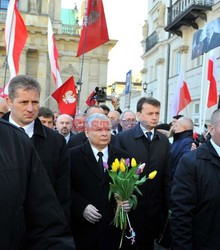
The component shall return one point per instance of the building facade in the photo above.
(34, 59)
(167, 44)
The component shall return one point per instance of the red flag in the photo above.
(94, 32)
(181, 95)
(66, 97)
(90, 100)
(15, 38)
(53, 56)
(212, 95)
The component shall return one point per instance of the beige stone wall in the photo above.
(34, 59)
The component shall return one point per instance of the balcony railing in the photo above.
(180, 6)
(2, 17)
(70, 29)
(151, 41)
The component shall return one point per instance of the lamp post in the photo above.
(144, 87)
(113, 87)
(79, 86)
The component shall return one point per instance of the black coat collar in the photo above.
(39, 129)
(91, 160)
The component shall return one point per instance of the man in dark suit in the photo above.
(212, 39)
(23, 100)
(149, 146)
(64, 126)
(46, 117)
(92, 213)
(30, 214)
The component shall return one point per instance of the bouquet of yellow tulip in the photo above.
(125, 181)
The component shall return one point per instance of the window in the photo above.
(4, 4)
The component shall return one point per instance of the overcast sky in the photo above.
(124, 20)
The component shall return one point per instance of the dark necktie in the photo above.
(148, 134)
(100, 162)
(114, 132)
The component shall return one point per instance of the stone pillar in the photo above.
(44, 7)
(42, 73)
(23, 6)
(23, 63)
(57, 11)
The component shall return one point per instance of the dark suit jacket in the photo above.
(80, 139)
(89, 186)
(156, 192)
(214, 42)
(52, 149)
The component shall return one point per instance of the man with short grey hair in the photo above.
(128, 120)
(92, 213)
(23, 100)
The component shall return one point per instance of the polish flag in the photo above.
(66, 97)
(94, 32)
(181, 95)
(53, 56)
(212, 94)
(15, 38)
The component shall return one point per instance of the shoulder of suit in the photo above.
(7, 126)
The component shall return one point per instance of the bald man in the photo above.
(64, 126)
(3, 106)
(114, 116)
(183, 139)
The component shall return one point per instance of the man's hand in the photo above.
(91, 214)
(126, 206)
(115, 103)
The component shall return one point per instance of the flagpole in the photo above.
(45, 100)
(201, 94)
(79, 82)
(6, 62)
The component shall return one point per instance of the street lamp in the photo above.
(145, 87)
(113, 87)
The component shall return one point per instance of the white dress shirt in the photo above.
(104, 151)
(29, 129)
(145, 131)
(215, 146)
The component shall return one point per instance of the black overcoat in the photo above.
(156, 192)
(195, 199)
(30, 214)
(53, 151)
(89, 186)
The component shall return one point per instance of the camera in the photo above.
(100, 95)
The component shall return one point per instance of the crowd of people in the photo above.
(54, 188)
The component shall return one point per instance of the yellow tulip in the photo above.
(133, 163)
(122, 166)
(117, 162)
(152, 174)
(114, 167)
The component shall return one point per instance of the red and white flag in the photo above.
(181, 95)
(90, 101)
(66, 97)
(15, 38)
(53, 56)
(212, 94)
(95, 31)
